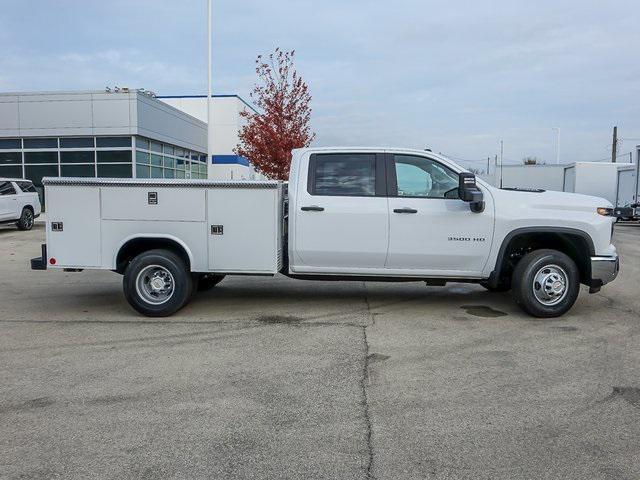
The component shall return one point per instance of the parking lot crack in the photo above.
(364, 380)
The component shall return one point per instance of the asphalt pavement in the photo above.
(276, 378)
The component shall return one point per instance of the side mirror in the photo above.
(469, 192)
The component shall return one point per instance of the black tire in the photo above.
(502, 286)
(165, 266)
(537, 275)
(26, 219)
(206, 281)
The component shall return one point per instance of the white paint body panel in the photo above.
(252, 235)
(445, 238)
(100, 216)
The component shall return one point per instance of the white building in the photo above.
(614, 181)
(227, 123)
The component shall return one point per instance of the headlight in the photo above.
(605, 211)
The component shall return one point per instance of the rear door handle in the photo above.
(312, 208)
(405, 210)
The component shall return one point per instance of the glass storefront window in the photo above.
(108, 142)
(10, 144)
(142, 143)
(142, 157)
(40, 157)
(76, 142)
(40, 143)
(156, 160)
(77, 170)
(156, 147)
(156, 172)
(169, 173)
(77, 157)
(169, 162)
(114, 171)
(179, 173)
(8, 158)
(13, 171)
(36, 172)
(115, 156)
(143, 171)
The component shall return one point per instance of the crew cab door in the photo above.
(432, 232)
(8, 201)
(342, 219)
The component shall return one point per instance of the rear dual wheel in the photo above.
(157, 283)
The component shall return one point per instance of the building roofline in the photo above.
(69, 92)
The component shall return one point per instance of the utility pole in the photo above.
(637, 172)
(501, 160)
(488, 163)
(209, 108)
(614, 145)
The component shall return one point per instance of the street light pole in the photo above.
(209, 107)
(557, 129)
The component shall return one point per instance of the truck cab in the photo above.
(384, 214)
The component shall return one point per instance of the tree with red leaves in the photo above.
(267, 138)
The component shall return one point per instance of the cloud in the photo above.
(456, 76)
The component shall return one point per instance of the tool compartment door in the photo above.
(243, 230)
(73, 226)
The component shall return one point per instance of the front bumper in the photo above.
(603, 271)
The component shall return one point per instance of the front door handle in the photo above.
(312, 208)
(405, 210)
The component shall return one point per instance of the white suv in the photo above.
(19, 203)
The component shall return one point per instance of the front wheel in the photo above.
(157, 283)
(26, 219)
(546, 283)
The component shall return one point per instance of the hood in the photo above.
(552, 200)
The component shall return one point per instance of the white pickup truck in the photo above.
(345, 214)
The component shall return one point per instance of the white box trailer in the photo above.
(222, 226)
(613, 181)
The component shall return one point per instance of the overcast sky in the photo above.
(455, 76)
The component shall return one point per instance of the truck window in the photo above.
(350, 174)
(423, 177)
(26, 187)
(6, 189)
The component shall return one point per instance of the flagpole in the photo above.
(209, 107)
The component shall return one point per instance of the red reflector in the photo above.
(52, 261)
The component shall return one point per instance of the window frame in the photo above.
(392, 179)
(380, 183)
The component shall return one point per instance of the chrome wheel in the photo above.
(155, 284)
(28, 219)
(550, 285)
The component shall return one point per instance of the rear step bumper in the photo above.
(40, 263)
